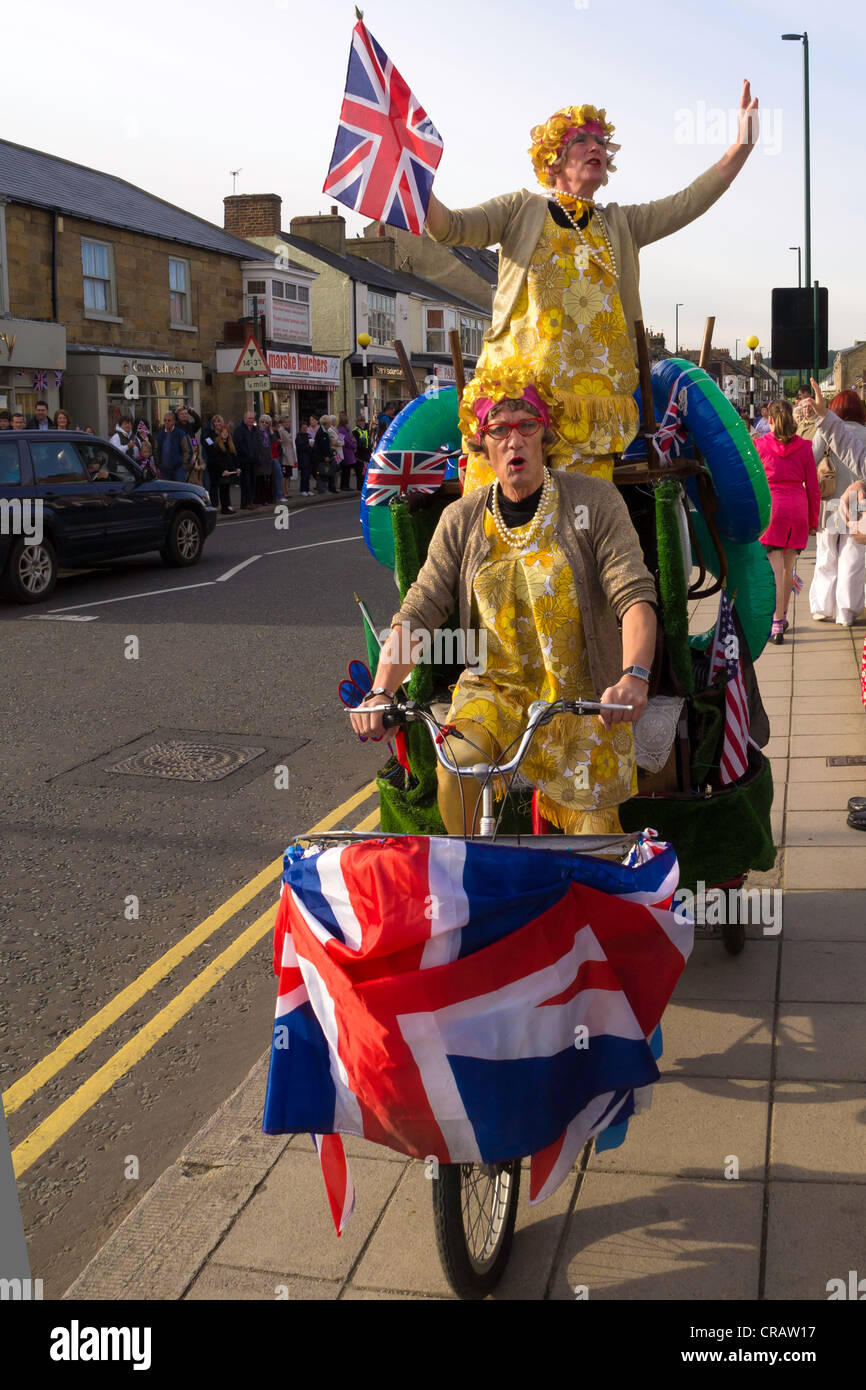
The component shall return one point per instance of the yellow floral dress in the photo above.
(525, 604)
(569, 323)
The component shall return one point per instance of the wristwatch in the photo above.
(380, 690)
(640, 671)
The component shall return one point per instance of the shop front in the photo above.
(384, 383)
(32, 365)
(101, 387)
(303, 383)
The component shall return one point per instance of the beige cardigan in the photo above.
(604, 555)
(515, 221)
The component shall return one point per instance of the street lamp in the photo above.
(751, 343)
(799, 272)
(364, 341)
(807, 192)
(677, 326)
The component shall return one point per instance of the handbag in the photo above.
(827, 478)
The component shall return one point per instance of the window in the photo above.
(277, 290)
(97, 263)
(10, 465)
(100, 459)
(56, 463)
(471, 335)
(179, 295)
(4, 286)
(382, 314)
(257, 287)
(436, 330)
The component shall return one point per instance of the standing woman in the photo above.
(347, 440)
(62, 420)
(304, 452)
(287, 454)
(837, 590)
(796, 501)
(567, 296)
(264, 463)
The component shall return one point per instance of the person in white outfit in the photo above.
(839, 580)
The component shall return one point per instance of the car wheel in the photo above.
(185, 540)
(31, 572)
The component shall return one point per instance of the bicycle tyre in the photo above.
(472, 1272)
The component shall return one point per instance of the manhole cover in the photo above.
(187, 760)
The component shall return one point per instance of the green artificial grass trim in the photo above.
(672, 584)
(718, 837)
(413, 812)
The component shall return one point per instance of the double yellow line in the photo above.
(46, 1134)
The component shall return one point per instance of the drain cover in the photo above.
(187, 760)
(850, 760)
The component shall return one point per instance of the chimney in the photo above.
(380, 230)
(252, 214)
(329, 231)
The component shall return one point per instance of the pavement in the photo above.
(746, 1180)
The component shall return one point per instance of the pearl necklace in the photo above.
(610, 269)
(505, 533)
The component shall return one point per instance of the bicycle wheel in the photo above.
(474, 1210)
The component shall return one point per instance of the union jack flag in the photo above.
(387, 149)
(40, 381)
(468, 1002)
(394, 473)
(671, 434)
(58, 379)
(725, 656)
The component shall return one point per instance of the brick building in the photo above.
(362, 286)
(849, 367)
(116, 284)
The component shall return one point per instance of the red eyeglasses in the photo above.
(500, 430)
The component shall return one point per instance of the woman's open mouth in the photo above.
(517, 462)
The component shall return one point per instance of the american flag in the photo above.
(395, 472)
(387, 149)
(725, 656)
(468, 1002)
(40, 381)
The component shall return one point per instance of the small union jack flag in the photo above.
(394, 473)
(58, 379)
(387, 149)
(725, 657)
(671, 435)
(40, 381)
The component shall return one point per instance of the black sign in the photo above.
(792, 347)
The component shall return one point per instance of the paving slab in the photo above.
(824, 705)
(824, 970)
(816, 770)
(824, 916)
(822, 828)
(287, 1227)
(826, 742)
(821, 1042)
(223, 1283)
(632, 1236)
(693, 1128)
(831, 868)
(853, 722)
(818, 1133)
(822, 796)
(717, 1039)
(829, 1222)
(711, 973)
(816, 689)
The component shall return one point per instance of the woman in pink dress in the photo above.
(796, 502)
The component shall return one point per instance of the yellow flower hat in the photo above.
(512, 379)
(550, 139)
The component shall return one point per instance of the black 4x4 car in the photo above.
(69, 499)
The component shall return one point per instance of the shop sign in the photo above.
(383, 369)
(445, 373)
(290, 321)
(144, 367)
(304, 367)
(257, 383)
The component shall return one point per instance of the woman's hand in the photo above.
(629, 690)
(852, 505)
(748, 121)
(818, 400)
(369, 725)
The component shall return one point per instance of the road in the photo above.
(104, 872)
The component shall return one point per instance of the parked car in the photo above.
(69, 499)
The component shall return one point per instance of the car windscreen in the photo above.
(10, 463)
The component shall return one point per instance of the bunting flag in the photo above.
(58, 379)
(466, 1001)
(725, 656)
(40, 381)
(387, 149)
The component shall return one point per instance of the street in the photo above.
(103, 871)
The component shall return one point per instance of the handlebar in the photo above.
(541, 712)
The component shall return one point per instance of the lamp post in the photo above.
(364, 341)
(751, 343)
(799, 287)
(677, 327)
(807, 191)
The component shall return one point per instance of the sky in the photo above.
(174, 95)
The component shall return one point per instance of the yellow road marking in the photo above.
(60, 1120)
(21, 1090)
(371, 822)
